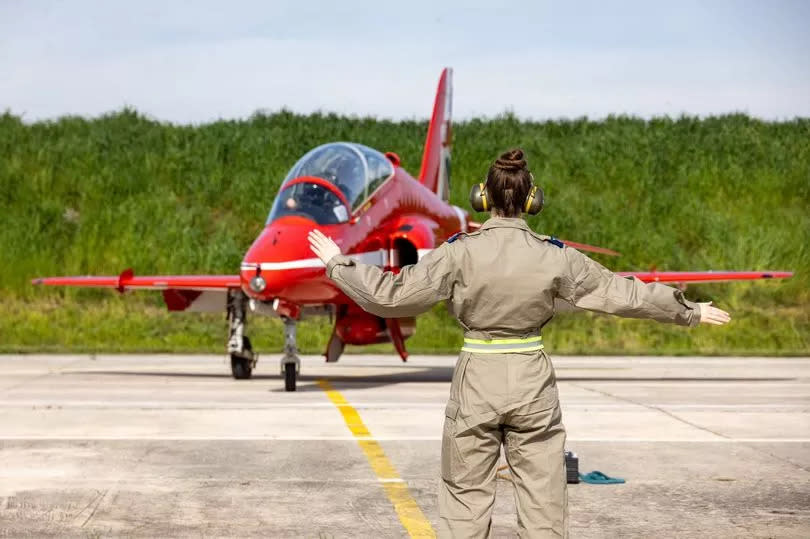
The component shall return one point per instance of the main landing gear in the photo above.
(243, 358)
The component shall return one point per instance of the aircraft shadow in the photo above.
(309, 382)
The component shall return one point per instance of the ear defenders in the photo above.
(535, 200)
(479, 200)
(478, 197)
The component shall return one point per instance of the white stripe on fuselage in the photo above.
(375, 258)
(288, 264)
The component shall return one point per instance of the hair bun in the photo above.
(511, 160)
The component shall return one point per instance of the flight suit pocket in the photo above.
(451, 456)
(458, 378)
(530, 426)
(548, 399)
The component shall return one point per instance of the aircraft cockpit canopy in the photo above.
(356, 170)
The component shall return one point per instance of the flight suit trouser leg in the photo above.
(534, 449)
(467, 488)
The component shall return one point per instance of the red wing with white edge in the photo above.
(128, 281)
(704, 276)
(198, 293)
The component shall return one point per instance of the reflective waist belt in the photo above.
(502, 346)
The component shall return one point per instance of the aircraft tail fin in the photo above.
(435, 172)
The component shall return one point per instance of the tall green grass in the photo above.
(93, 196)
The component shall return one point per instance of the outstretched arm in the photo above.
(413, 290)
(589, 285)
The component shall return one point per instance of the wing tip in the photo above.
(708, 276)
(776, 275)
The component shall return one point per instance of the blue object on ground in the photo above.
(598, 478)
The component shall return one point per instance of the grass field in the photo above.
(94, 196)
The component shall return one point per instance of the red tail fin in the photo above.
(435, 173)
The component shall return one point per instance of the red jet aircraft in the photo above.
(375, 211)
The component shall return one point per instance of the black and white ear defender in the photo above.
(480, 201)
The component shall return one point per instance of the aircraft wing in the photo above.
(703, 276)
(472, 225)
(590, 248)
(199, 293)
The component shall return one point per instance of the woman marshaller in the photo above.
(501, 282)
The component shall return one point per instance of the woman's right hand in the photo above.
(322, 245)
(713, 315)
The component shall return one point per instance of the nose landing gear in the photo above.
(290, 363)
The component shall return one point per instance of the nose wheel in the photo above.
(289, 377)
(290, 363)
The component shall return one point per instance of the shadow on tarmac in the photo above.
(308, 382)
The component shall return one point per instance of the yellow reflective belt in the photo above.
(501, 346)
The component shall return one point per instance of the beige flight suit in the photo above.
(501, 283)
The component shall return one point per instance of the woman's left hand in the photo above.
(322, 246)
(713, 315)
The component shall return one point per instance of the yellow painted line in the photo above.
(408, 511)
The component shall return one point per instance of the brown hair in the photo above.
(508, 183)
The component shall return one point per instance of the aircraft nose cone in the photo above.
(262, 283)
(257, 283)
(281, 265)
(279, 259)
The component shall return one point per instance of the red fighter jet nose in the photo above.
(281, 265)
(266, 280)
(257, 283)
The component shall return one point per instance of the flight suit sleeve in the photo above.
(587, 284)
(413, 290)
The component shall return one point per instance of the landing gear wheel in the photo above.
(289, 377)
(290, 363)
(242, 367)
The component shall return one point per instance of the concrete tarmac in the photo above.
(168, 445)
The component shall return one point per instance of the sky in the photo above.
(193, 62)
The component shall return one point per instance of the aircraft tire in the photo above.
(289, 377)
(240, 368)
